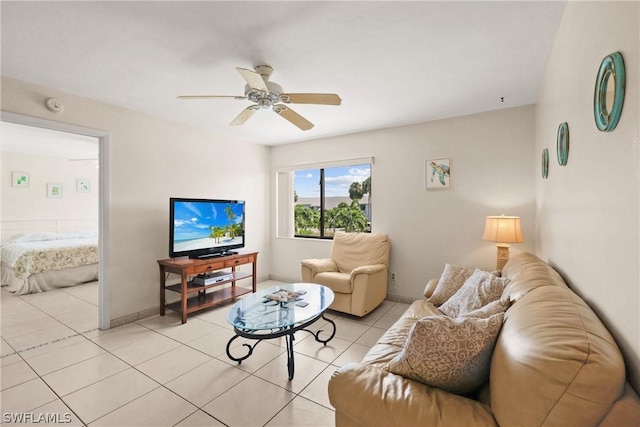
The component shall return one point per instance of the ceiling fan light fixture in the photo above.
(264, 103)
(257, 96)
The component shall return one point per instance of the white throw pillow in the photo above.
(494, 307)
(452, 279)
(480, 289)
(79, 235)
(450, 354)
(34, 237)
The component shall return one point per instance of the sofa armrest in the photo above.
(367, 269)
(374, 397)
(311, 267)
(625, 411)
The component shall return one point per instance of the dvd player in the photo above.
(211, 278)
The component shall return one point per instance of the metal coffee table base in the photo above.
(286, 332)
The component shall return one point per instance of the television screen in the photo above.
(201, 227)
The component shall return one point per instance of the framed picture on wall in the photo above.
(437, 173)
(83, 185)
(54, 190)
(20, 179)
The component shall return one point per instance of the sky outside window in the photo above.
(337, 180)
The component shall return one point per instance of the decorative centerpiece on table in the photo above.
(283, 296)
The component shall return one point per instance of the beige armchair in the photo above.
(356, 272)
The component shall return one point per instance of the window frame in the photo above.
(285, 188)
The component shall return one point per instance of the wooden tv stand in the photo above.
(187, 269)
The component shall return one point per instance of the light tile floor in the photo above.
(157, 372)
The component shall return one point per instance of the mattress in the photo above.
(37, 262)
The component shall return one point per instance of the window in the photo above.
(327, 199)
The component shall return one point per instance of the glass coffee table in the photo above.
(280, 312)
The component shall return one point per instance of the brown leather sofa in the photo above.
(356, 272)
(554, 364)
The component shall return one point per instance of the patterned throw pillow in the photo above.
(450, 354)
(479, 290)
(452, 279)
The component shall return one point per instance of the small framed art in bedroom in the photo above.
(20, 179)
(83, 185)
(54, 190)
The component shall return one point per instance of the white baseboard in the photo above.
(119, 321)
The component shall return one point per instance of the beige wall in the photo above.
(588, 214)
(492, 167)
(149, 161)
(29, 209)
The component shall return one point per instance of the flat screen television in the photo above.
(202, 228)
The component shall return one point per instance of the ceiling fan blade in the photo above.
(254, 80)
(210, 96)
(311, 98)
(293, 117)
(244, 115)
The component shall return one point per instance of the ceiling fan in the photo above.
(267, 94)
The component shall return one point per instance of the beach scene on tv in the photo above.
(200, 225)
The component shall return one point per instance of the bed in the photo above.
(39, 262)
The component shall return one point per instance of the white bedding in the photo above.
(36, 262)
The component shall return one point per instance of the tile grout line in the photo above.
(250, 374)
(187, 345)
(160, 385)
(58, 397)
(26, 301)
(18, 352)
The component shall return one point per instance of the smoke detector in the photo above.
(54, 105)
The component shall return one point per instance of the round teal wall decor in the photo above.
(563, 143)
(609, 93)
(545, 163)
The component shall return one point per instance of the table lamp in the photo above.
(504, 230)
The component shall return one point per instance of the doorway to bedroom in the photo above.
(51, 203)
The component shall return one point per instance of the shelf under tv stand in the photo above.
(194, 297)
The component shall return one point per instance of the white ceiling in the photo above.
(393, 63)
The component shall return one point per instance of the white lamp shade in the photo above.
(503, 229)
